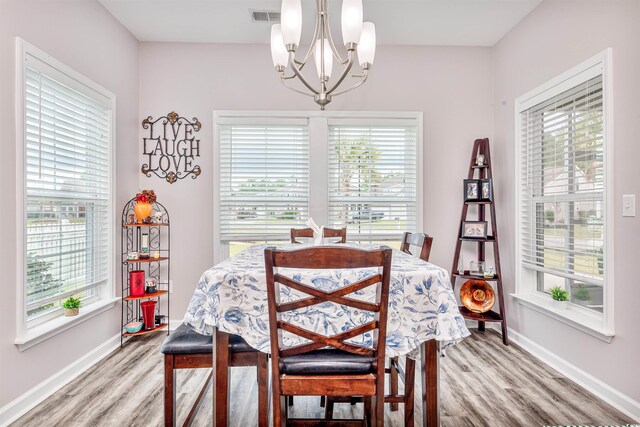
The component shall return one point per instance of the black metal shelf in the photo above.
(159, 240)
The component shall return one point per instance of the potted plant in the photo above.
(71, 306)
(560, 297)
(144, 204)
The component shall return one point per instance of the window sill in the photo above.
(43, 332)
(587, 323)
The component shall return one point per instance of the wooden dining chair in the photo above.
(336, 232)
(421, 242)
(328, 365)
(418, 240)
(326, 232)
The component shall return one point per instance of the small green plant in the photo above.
(581, 293)
(72, 302)
(559, 294)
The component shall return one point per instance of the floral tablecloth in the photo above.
(232, 297)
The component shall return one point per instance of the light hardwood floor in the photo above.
(483, 383)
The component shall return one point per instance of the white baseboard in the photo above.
(613, 397)
(24, 403)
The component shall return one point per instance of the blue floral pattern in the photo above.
(232, 297)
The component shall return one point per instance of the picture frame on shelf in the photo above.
(486, 190)
(474, 229)
(471, 190)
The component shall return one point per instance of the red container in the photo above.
(136, 283)
(149, 314)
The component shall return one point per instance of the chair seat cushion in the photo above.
(326, 362)
(184, 340)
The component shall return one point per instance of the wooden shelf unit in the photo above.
(158, 240)
(481, 146)
(146, 296)
(143, 332)
(152, 259)
(489, 316)
(473, 277)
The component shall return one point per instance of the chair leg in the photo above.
(367, 409)
(328, 409)
(393, 380)
(409, 381)
(263, 390)
(222, 379)
(169, 391)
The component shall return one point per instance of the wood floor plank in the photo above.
(483, 383)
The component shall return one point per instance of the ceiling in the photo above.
(400, 22)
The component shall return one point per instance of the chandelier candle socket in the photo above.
(358, 38)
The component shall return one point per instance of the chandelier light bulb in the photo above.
(351, 21)
(291, 22)
(279, 53)
(328, 59)
(367, 45)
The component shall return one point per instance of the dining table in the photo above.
(423, 316)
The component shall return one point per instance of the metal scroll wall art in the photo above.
(172, 147)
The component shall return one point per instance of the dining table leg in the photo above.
(430, 361)
(220, 378)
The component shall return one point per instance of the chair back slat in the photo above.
(300, 232)
(336, 232)
(420, 241)
(328, 258)
(323, 258)
(326, 232)
(346, 290)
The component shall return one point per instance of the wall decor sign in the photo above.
(171, 146)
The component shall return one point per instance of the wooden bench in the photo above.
(187, 349)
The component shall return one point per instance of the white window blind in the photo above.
(67, 148)
(264, 179)
(562, 193)
(372, 178)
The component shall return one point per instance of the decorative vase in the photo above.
(142, 210)
(148, 314)
(71, 311)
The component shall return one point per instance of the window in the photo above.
(563, 189)
(66, 207)
(264, 179)
(359, 170)
(372, 179)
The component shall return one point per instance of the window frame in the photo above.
(28, 335)
(319, 166)
(598, 325)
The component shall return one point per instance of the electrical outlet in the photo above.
(628, 205)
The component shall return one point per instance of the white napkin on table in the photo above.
(318, 239)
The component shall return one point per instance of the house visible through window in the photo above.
(68, 218)
(276, 172)
(563, 188)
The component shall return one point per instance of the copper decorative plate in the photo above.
(477, 296)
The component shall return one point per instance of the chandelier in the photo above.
(356, 35)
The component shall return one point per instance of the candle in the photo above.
(156, 254)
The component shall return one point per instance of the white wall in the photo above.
(556, 36)
(84, 36)
(451, 86)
